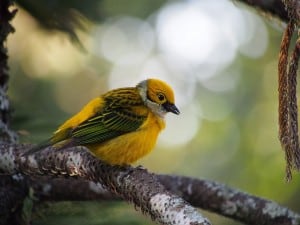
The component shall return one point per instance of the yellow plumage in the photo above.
(128, 148)
(121, 126)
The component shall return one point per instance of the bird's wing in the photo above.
(107, 125)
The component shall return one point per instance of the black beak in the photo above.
(169, 107)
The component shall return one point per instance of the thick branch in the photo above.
(229, 202)
(205, 194)
(134, 185)
(208, 195)
(62, 189)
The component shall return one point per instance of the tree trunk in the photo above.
(6, 135)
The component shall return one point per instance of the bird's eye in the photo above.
(161, 97)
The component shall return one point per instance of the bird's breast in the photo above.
(129, 147)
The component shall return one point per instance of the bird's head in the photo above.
(158, 96)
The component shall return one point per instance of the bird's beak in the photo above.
(169, 107)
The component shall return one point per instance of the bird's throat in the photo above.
(156, 109)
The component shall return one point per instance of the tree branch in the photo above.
(208, 195)
(229, 202)
(54, 189)
(133, 185)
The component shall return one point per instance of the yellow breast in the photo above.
(130, 147)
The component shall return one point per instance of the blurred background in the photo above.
(220, 57)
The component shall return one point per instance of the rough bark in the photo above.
(6, 16)
(229, 202)
(134, 185)
(11, 193)
(103, 182)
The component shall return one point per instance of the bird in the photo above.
(120, 126)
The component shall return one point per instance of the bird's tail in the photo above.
(59, 140)
(57, 145)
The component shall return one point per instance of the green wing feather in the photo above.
(107, 125)
(112, 121)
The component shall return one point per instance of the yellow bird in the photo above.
(120, 126)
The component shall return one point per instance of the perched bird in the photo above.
(120, 126)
